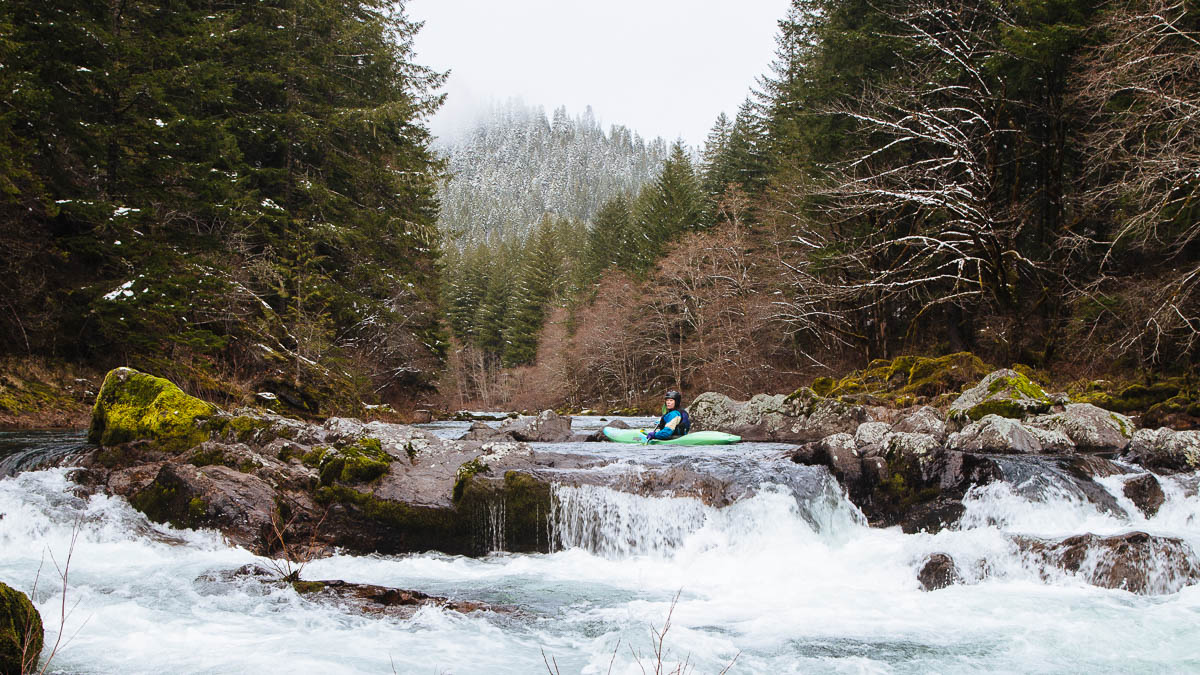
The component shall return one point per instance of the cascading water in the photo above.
(787, 579)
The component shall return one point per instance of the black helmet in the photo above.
(677, 397)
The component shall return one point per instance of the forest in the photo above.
(247, 199)
(1013, 179)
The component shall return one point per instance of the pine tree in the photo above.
(608, 240)
(541, 275)
(227, 168)
(669, 206)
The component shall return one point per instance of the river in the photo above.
(789, 580)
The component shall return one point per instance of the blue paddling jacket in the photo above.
(672, 425)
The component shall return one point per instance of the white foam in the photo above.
(794, 587)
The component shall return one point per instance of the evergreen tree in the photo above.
(210, 173)
(609, 239)
(541, 275)
(669, 206)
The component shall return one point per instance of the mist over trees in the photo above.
(516, 165)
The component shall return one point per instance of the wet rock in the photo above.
(1083, 470)
(925, 420)
(1136, 562)
(1090, 429)
(1005, 393)
(996, 434)
(1088, 467)
(547, 427)
(1165, 449)
(938, 571)
(802, 416)
(839, 453)
(384, 600)
(238, 504)
(21, 632)
(1145, 493)
(481, 431)
(933, 517)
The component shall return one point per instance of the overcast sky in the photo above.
(660, 67)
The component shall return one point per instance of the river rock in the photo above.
(994, 433)
(1004, 392)
(21, 632)
(802, 416)
(938, 571)
(546, 427)
(1090, 429)
(872, 434)
(135, 406)
(838, 452)
(1165, 449)
(925, 420)
(238, 504)
(1052, 441)
(397, 603)
(482, 431)
(1136, 562)
(1145, 493)
(920, 448)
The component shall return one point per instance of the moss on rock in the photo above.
(306, 587)
(21, 631)
(135, 406)
(359, 461)
(1006, 393)
(904, 380)
(464, 475)
(162, 504)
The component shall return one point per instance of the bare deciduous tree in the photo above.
(914, 219)
(1141, 88)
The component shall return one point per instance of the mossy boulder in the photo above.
(361, 460)
(1170, 401)
(1004, 392)
(21, 632)
(134, 406)
(905, 379)
(1089, 428)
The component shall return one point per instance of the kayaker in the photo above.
(674, 422)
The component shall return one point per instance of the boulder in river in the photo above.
(1089, 428)
(1137, 562)
(1145, 493)
(1004, 392)
(21, 632)
(939, 571)
(1165, 449)
(546, 427)
(997, 434)
(134, 406)
(925, 420)
(802, 416)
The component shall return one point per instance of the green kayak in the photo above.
(694, 438)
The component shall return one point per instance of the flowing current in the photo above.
(789, 580)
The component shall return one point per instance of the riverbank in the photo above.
(38, 393)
